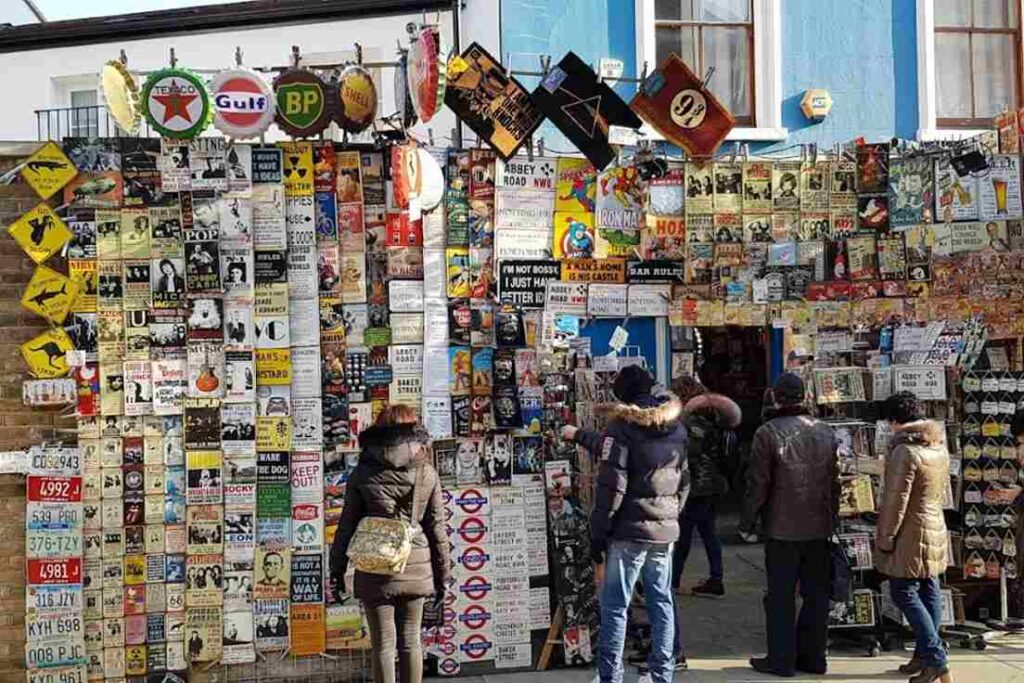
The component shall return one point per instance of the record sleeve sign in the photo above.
(490, 101)
(676, 103)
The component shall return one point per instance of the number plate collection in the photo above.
(54, 626)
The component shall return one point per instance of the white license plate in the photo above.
(53, 516)
(55, 597)
(66, 674)
(45, 655)
(53, 543)
(55, 461)
(53, 625)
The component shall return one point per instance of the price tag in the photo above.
(619, 338)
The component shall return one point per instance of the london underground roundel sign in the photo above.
(243, 103)
(176, 103)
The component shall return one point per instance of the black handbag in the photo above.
(840, 571)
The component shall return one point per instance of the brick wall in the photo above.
(19, 426)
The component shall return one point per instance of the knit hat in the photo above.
(632, 383)
(788, 389)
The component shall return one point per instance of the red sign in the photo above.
(476, 588)
(54, 489)
(402, 232)
(675, 102)
(475, 617)
(473, 558)
(471, 501)
(476, 646)
(52, 572)
(472, 530)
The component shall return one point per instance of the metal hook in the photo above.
(529, 148)
(124, 58)
(238, 55)
(295, 56)
(540, 146)
(359, 54)
(545, 65)
(174, 59)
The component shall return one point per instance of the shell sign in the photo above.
(816, 104)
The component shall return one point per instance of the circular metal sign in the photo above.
(243, 103)
(176, 103)
(356, 101)
(301, 98)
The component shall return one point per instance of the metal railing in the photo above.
(91, 121)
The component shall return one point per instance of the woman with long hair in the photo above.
(394, 468)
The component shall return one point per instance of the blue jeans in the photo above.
(699, 514)
(920, 600)
(625, 562)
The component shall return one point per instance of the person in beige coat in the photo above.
(911, 531)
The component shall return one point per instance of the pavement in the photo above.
(721, 635)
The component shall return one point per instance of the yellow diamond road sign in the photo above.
(40, 232)
(48, 170)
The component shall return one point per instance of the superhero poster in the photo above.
(575, 185)
(574, 235)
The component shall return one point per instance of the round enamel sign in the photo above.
(243, 103)
(356, 103)
(427, 68)
(403, 100)
(301, 98)
(176, 103)
(121, 95)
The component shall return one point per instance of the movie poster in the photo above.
(957, 197)
(700, 188)
(911, 187)
(757, 187)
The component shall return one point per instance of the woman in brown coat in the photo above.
(394, 467)
(911, 531)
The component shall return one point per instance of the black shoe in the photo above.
(762, 666)
(808, 668)
(711, 588)
(914, 666)
(930, 673)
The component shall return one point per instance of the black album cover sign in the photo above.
(490, 101)
(583, 108)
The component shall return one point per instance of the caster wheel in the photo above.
(980, 644)
(874, 650)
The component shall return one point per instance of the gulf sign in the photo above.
(243, 104)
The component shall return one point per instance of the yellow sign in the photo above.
(48, 170)
(298, 169)
(83, 272)
(273, 433)
(50, 294)
(273, 367)
(40, 232)
(45, 354)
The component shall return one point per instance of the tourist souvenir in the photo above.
(427, 72)
(301, 98)
(243, 103)
(176, 103)
(355, 101)
(121, 95)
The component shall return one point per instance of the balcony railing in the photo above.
(92, 121)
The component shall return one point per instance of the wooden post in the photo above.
(554, 638)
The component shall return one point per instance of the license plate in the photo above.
(54, 572)
(54, 489)
(52, 626)
(55, 461)
(53, 598)
(53, 516)
(66, 674)
(54, 653)
(42, 544)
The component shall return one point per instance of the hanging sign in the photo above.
(403, 100)
(490, 101)
(927, 382)
(522, 283)
(594, 270)
(243, 103)
(676, 103)
(50, 294)
(301, 98)
(48, 170)
(427, 72)
(355, 103)
(583, 108)
(655, 271)
(45, 354)
(121, 95)
(176, 103)
(40, 232)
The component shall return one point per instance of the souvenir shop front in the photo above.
(225, 317)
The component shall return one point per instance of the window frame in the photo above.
(766, 75)
(931, 126)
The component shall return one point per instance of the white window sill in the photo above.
(936, 134)
(735, 135)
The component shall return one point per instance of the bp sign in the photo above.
(301, 98)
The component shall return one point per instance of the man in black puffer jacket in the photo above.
(642, 483)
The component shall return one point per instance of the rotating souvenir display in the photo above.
(355, 102)
(301, 97)
(176, 103)
(121, 95)
(427, 70)
(243, 103)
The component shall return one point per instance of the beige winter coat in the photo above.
(911, 530)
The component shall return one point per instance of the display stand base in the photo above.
(553, 639)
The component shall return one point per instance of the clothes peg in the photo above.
(238, 56)
(707, 77)
(540, 146)
(295, 56)
(359, 54)
(545, 65)
(124, 58)
(174, 59)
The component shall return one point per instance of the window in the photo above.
(83, 118)
(712, 34)
(976, 63)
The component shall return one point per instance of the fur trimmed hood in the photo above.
(920, 432)
(662, 415)
(395, 446)
(729, 414)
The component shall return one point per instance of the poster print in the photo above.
(236, 267)
(911, 188)
(273, 571)
(238, 639)
(272, 624)
(843, 186)
(488, 100)
(574, 236)
(814, 187)
(892, 257)
(204, 633)
(205, 524)
(873, 168)
(699, 188)
(786, 185)
(956, 196)
(757, 187)
(1000, 195)
(861, 255)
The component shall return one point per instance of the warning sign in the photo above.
(48, 170)
(50, 294)
(40, 232)
(45, 354)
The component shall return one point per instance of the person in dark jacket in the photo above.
(641, 487)
(793, 488)
(709, 419)
(394, 479)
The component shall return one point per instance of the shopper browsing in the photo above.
(394, 479)
(911, 531)
(642, 484)
(793, 488)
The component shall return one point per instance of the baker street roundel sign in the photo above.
(301, 98)
(176, 103)
(243, 103)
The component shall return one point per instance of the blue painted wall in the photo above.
(864, 52)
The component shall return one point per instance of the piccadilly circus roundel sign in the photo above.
(243, 103)
(176, 103)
